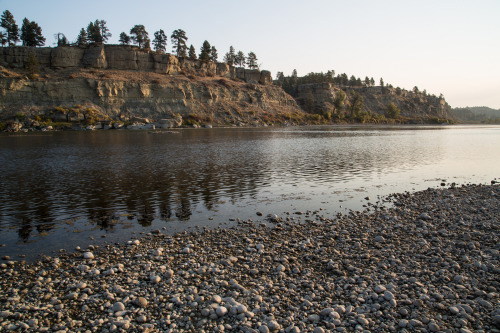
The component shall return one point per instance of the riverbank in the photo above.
(431, 263)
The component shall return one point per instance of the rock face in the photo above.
(123, 82)
(376, 99)
(216, 100)
(124, 58)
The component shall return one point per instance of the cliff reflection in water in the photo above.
(112, 177)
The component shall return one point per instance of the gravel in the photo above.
(429, 264)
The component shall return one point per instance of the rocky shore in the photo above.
(429, 264)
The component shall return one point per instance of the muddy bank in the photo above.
(429, 264)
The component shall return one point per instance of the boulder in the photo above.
(252, 75)
(265, 77)
(240, 73)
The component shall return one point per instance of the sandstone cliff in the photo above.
(120, 83)
(375, 100)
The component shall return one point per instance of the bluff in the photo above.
(123, 83)
(416, 106)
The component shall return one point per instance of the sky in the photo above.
(444, 46)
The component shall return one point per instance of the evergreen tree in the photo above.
(98, 32)
(252, 61)
(192, 53)
(205, 51)
(179, 46)
(61, 39)
(31, 34)
(381, 82)
(367, 81)
(124, 39)
(9, 24)
(3, 38)
(213, 54)
(139, 35)
(356, 105)
(392, 110)
(372, 82)
(338, 101)
(82, 38)
(32, 66)
(239, 59)
(160, 41)
(229, 57)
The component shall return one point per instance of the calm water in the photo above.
(65, 189)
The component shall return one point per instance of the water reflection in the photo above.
(108, 177)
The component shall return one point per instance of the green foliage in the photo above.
(160, 41)
(124, 39)
(239, 59)
(392, 110)
(205, 51)
(252, 61)
(9, 24)
(20, 116)
(338, 101)
(82, 39)
(32, 66)
(31, 34)
(192, 53)
(3, 38)
(179, 46)
(213, 54)
(98, 32)
(356, 104)
(139, 35)
(230, 56)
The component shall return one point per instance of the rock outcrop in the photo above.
(124, 58)
(376, 99)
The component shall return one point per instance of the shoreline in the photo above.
(431, 262)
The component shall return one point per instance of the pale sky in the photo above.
(443, 46)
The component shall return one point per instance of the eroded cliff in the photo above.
(121, 83)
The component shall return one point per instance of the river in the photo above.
(64, 189)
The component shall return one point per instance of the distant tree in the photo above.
(160, 41)
(252, 61)
(356, 104)
(415, 90)
(31, 34)
(82, 38)
(381, 82)
(424, 92)
(372, 82)
(61, 39)
(9, 24)
(280, 78)
(205, 52)
(309, 102)
(3, 38)
(98, 32)
(124, 39)
(338, 101)
(192, 53)
(179, 46)
(367, 81)
(139, 35)
(229, 57)
(240, 59)
(392, 110)
(32, 66)
(147, 44)
(213, 54)
(331, 74)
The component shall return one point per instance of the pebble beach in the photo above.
(429, 263)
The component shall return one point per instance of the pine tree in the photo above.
(3, 38)
(192, 53)
(205, 52)
(252, 61)
(124, 39)
(139, 35)
(160, 41)
(229, 57)
(240, 59)
(179, 46)
(98, 32)
(82, 38)
(213, 54)
(9, 24)
(31, 34)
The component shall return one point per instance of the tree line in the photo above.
(97, 33)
